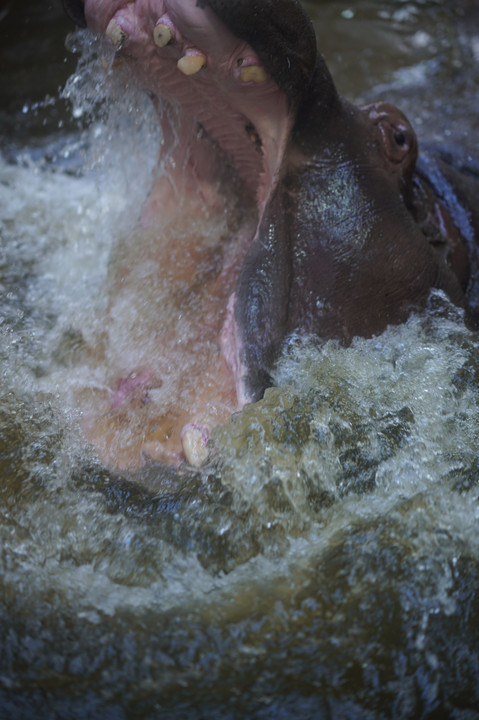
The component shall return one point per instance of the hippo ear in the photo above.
(75, 9)
(280, 33)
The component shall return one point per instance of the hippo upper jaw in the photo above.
(233, 73)
(223, 89)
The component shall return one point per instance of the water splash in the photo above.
(325, 566)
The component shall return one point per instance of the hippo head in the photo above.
(336, 242)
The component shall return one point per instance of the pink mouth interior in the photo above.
(224, 133)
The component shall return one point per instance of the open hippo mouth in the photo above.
(226, 112)
(320, 223)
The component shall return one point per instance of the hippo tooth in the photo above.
(191, 64)
(253, 73)
(194, 439)
(115, 33)
(163, 35)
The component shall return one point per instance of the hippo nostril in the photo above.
(75, 9)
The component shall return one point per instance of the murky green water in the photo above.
(326, 566)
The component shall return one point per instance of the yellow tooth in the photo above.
(163, 35)
(194, 446)
(115, 33)
(253, 73)
(191, 64)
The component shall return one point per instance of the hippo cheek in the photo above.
(340, 251)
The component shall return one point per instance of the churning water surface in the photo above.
(327, 564)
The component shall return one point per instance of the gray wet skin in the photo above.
(356, 230)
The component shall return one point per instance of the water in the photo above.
(326, 564)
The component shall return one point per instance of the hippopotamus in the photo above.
(336, 225)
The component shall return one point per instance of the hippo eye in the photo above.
(400, 138)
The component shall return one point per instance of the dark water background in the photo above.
(328, 566)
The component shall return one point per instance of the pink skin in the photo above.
(234, 116)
